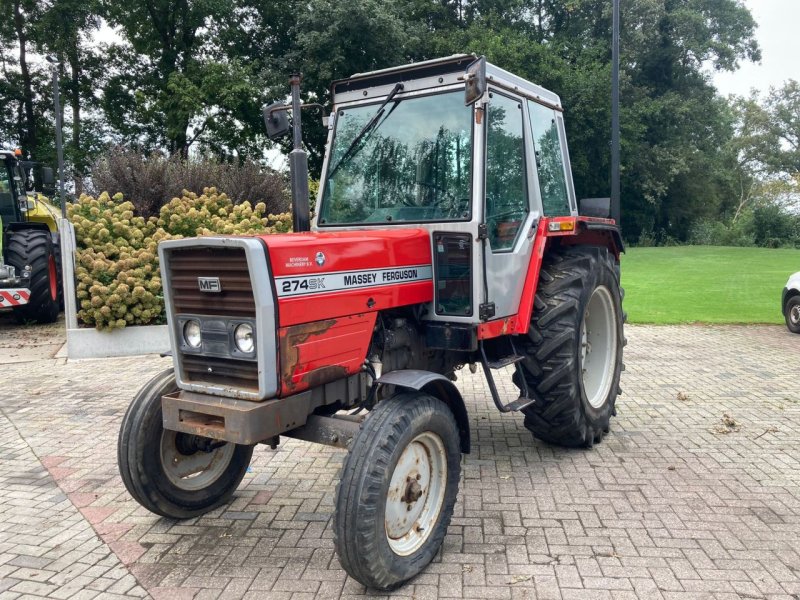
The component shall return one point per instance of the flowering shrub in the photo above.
(117, 273)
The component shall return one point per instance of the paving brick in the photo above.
(667, 506)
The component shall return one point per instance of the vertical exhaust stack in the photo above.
(298, 164)
(615, 150)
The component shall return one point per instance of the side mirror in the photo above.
(475, 76)
(48, 179)
(595, 207)
(276, 120)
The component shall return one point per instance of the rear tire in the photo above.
(154, 462)
(397, 491)
(573, 351)
(792, 314)
(34, 248)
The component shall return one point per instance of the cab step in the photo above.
(519, 404)
(505, 361)
(512, 359)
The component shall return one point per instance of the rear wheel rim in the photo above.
(416, 494)
(794, 315)
(192, 470)
(598, 348)
(51, 268)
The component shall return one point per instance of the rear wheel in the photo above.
(573, 351)
(398, 489)
(34, 248)
(792, 314)
(174, 474)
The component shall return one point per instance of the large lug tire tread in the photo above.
(138, 457)
(790, 304)
(563, 415)
(359, 534)
(34, 247)
(59, 270)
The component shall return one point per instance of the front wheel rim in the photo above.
(598, 349)
(416, 494)
(192, 470)
(794, 315)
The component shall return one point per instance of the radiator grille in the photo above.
(185, 265)
(227, 372)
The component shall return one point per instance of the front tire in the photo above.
(34, 248)
(398, 489)
(792, 314)
(573, 351)
(173, 474)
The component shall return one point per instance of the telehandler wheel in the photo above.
(573, 351)
(174, 474)
(398, 489)
(34, 248)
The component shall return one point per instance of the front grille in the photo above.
(226, 372)
(185, 265)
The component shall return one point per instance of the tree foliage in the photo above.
(190, 76)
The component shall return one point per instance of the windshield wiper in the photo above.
(365, 130)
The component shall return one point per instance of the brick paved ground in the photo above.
(678, 502)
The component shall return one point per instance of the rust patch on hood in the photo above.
(312, 354)
(290, 339)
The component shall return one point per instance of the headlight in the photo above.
(243, 337)
(191, 333)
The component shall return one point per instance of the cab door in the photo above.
(510, 210)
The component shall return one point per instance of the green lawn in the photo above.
(706, 284)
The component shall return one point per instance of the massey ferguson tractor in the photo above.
(30, 263)
(447, 234)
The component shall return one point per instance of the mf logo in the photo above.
(209, 284)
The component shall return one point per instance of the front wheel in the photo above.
(174, 474)
(792, 314)
(398, 489)
(33, 249)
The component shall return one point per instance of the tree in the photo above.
(771, 131)
(18, 19)
(172, 84)
(64, 31)
(767, 147)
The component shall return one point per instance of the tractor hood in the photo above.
(325, 275)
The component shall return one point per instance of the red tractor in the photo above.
(447, 234)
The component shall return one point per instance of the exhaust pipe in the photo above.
(298, 165)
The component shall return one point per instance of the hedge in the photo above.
(117, 273)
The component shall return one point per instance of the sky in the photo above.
(780, 49)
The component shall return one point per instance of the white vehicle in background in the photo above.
(791, 303)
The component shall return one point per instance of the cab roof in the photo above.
(431, 74)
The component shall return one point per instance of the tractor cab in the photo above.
(458, 147)
(13, 196)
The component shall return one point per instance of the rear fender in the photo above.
(597, 233)
(19, 225)
(572, 231)
(437, 386)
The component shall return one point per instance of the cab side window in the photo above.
(7, 209)
(549, 160)
(506, 196)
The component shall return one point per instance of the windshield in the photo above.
(413, 165)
